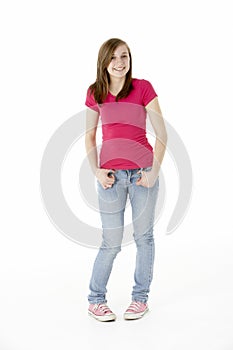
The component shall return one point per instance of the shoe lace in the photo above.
(102, 307)
(134, 306)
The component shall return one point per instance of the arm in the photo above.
(157, 121)
(92, 118)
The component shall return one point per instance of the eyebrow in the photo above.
(121, 53)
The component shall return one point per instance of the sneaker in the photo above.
(135, 310)
(101, 312)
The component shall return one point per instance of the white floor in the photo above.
(43, 296)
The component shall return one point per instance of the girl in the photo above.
(127, 167)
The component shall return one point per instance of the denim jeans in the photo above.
(112, 202)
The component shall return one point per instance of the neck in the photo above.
(116, 84)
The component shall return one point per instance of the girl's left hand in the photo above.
(147, 179)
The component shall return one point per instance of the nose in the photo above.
(119, 61)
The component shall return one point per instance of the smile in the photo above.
(119, 69)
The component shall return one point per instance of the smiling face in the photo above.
(120, 62)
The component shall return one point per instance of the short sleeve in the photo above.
(148, 92)
(90, 101)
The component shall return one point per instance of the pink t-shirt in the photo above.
(124, 141)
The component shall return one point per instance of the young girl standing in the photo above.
(127, 167)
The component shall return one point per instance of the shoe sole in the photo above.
(135, 316)
(106, 318)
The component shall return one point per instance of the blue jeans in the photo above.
(112, 202)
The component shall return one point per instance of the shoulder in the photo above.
(90, 91)
(90, 99)
(145, 89)
(140, 83)
(90, 95)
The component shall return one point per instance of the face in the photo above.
(120, 62)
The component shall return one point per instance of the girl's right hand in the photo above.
(105, 180)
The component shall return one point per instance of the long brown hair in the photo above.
(100, 88)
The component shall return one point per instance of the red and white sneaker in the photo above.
(101, 312)
(135, 310)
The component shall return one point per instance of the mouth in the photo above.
(119, 69)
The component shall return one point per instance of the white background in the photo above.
(48, 59)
